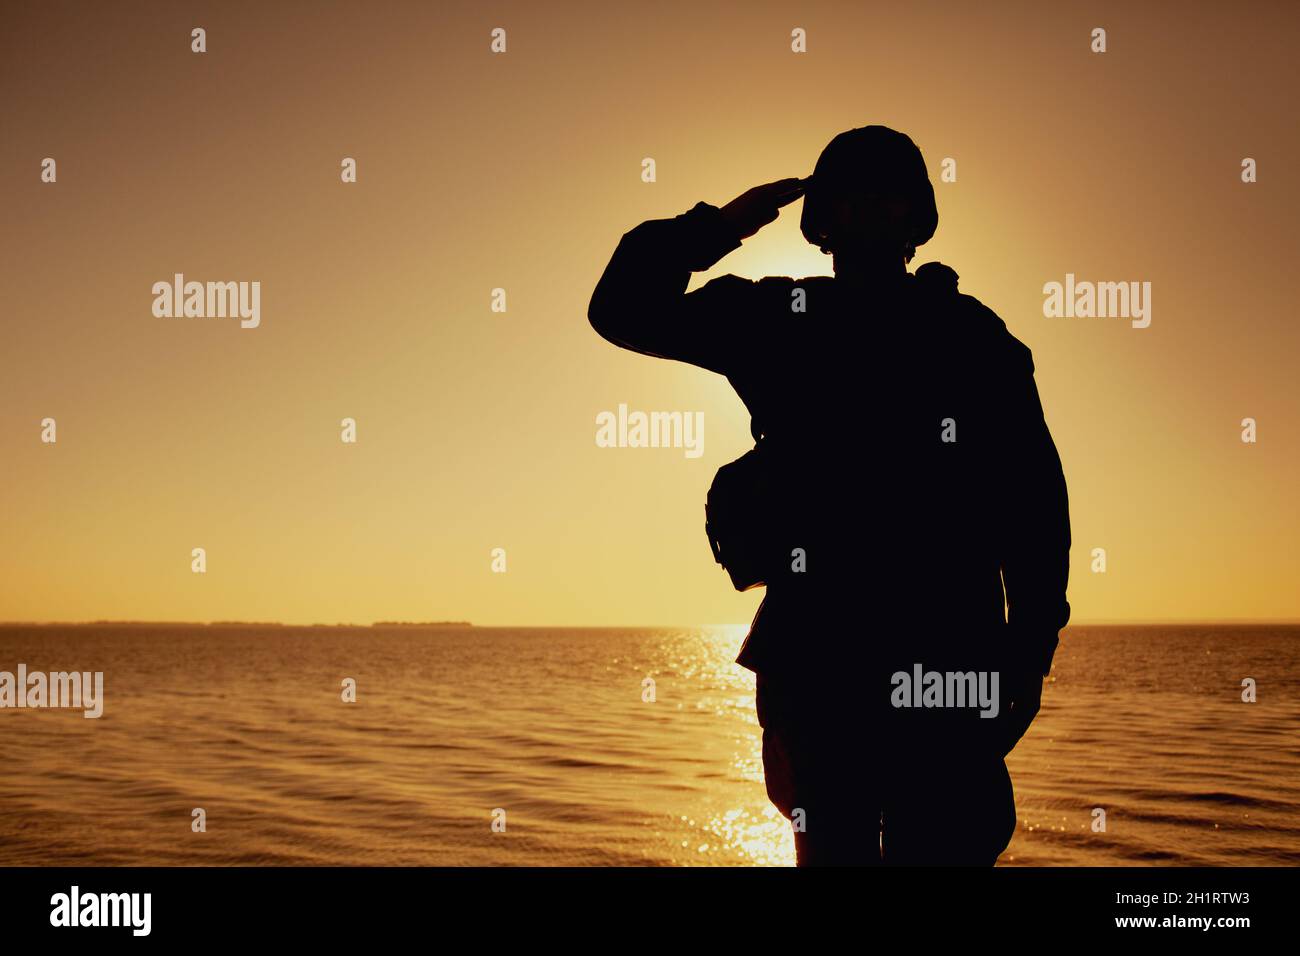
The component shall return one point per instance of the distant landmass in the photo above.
(422, 624)
(243, 624)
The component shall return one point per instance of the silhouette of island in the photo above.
(422, 624)
(240, 624)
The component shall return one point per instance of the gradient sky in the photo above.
(476, 429)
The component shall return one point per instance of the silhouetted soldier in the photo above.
(907, 476)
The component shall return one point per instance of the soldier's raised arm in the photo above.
(640, 302)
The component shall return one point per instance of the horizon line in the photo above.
(1098, 622)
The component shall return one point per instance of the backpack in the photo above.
(737, 509)
(734, 516)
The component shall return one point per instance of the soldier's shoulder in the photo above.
(994, 334)
(981, 328)
(979, 317)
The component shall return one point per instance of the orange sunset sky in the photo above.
(476, 429)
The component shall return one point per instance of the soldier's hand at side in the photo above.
(1025, 695)
(755, 208)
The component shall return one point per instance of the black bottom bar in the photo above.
(668, 906)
